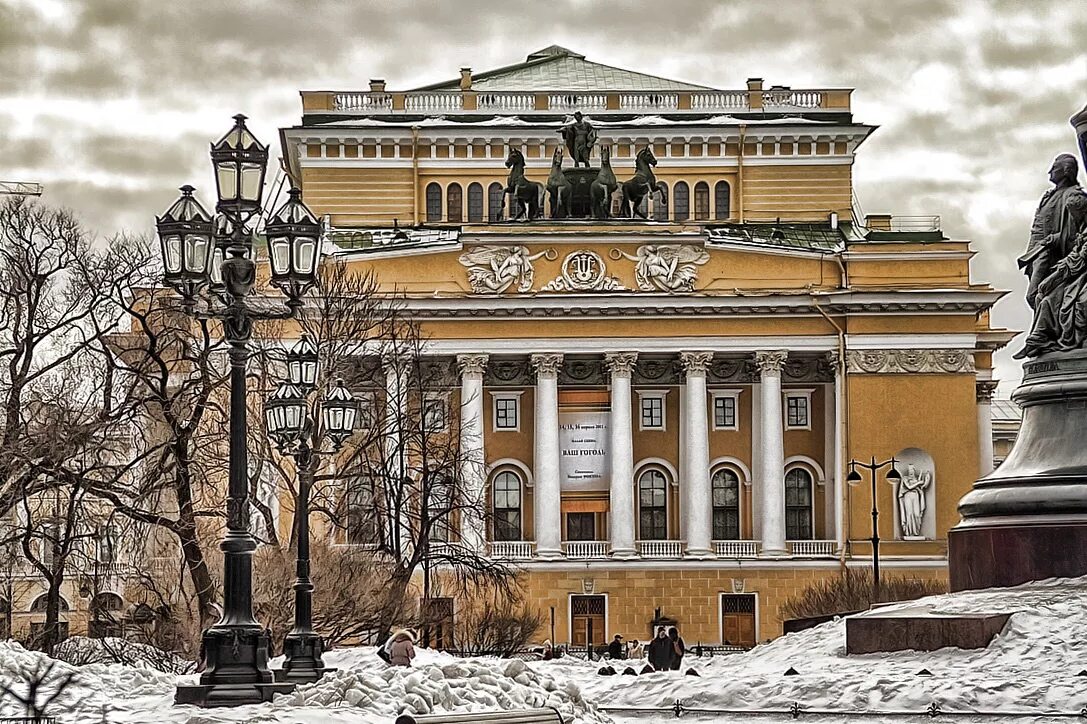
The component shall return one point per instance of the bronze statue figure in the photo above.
(580, 136)
(559, 188)
(643, 183)
(528, 195)
(1052, 232)
(603, 187)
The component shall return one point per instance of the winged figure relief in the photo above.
(494, 269)
(667, 268)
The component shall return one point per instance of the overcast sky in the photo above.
(111, 104)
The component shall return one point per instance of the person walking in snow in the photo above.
(660, 651)
(402, 650)
(679, 648)
(615, 648)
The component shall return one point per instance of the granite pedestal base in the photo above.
(919, 629)
(1027, 520)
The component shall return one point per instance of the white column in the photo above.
(699, 502)
(836, 362)
(772, 475)
(620, 430)
(473, 464)
(985, 390)
(547, 495)
(396, 395)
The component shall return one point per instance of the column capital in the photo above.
(621, 364)
(985, 390)
(695, 363)
(472, 364)
(834, 362)
(771, 362)
(547, 363)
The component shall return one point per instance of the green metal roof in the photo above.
(558, 69)
(814, 237)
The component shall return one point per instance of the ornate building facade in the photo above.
(666, 406)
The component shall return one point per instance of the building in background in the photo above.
(1007, 417)
(666, 407)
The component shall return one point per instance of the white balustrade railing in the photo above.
(649, 101)
(433, 102)
(736, 548)
(512, 550)
(584, 549)
(577, 101)
(501, 102)
(792, 99)
(813, 548)
(719, 101)
(366, 102)
(660, 548)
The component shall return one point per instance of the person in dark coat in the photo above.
(678, 648)
(615, 648)
(661, 651)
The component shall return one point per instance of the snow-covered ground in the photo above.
(1031, 667)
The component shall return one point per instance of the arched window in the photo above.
(106, 603)
(652, 505)
(660, 204)
(681, 200)
(475, 203)
(39, 604)
(506, 493)
(722, 200)
(439, 503)
(798, 504)
(495, 201)
(433, 202)
(726, 505)
(362, 523)
(701, 201)
(454, 197)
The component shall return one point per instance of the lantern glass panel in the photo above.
(228, 180)
(349, 415)
(309, 373)
(215, 270)
(334, 418)
(280, 251)
(172, 248)
(196, 253)
(305, 255)
(250, 185)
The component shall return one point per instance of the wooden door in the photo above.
(587, 619)
(738, 619)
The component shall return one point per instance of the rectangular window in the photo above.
(434, 413)
(797, 415)
(507, 412)
(652, 413)
(724, 413)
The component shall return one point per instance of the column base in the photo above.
(213, 695)
(699, 554)
(549, 555)
(624, 554)
(774, 553)
(302, 658)
(237, 670)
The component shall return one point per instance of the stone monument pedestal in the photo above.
(1027, 520)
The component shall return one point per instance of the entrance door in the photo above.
(581, 526)
(738, 619)
(587, 620)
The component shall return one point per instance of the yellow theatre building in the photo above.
(667, 406)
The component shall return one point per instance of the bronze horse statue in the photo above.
(559, 188)
(604, 186)
(528, 195)
(643, 183)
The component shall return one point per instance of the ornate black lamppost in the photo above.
(854, 478)
(297, 434)
(200, 251)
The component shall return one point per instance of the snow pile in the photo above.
(79, 650)
(1031, 666)
(439, 683)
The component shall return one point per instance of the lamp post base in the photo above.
(302, 658)
(237, 671)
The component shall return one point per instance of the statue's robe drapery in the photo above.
(1051, 238)
(1060, 315)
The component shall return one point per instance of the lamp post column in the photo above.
(875, 535)
(772, 475)
(548, 493)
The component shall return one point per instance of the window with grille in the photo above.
(797, 411)
(506, 491)
(361, 519)
(495, 201)
(652, 506)
(506, 413)
(106, 544)
(681, 200)
(652, 413)
(726, 505)
(701, 201)
(439, 502)
(798, 503)
(660, 203)
(587, 605)
(724, 413)
(722, 200)
(475, 203)
(433, 202)
(434, 418)
(738, 603)
(453, 200)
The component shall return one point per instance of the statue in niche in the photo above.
(911, 501)
(1060, 300)
(666, 268)
(580, 137)
(494, 269)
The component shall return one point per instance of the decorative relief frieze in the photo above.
(495, 269)
(657, 371)
(808, 369)
(665, 268)
(918, 361)
(438, 372)
(509, 371)
(731, 369)
(584, 271)
(582, 371)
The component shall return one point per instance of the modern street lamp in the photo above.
(201, 252)
(854, 478)
(296, 434)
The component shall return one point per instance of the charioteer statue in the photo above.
(580, 137)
